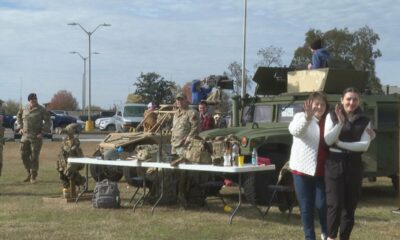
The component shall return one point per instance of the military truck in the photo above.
(261, 122)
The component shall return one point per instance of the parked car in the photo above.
(108, 124)
(8, 121)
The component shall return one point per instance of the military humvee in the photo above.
(261, 121)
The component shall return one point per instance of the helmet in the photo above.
(72, 128)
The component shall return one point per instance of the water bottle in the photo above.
(254, 157)
(235, 154)
(227, 159)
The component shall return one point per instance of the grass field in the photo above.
(25, 215)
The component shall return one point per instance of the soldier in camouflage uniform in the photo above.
(185, 126)
(33, 122)
(70, 148)
(150, 117)
(2, 114)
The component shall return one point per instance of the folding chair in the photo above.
(283, 188)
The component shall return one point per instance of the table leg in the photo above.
(240, 200)
(86, 188)
(161, 194)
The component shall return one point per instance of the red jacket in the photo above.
(207, 122)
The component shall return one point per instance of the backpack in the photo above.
(198, 151)
(106, 195)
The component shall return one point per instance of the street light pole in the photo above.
(83, 78)
(90, 66)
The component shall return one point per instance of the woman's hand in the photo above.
(371, 133)
(308, 110)
(339, 114)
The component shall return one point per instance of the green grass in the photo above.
(25, 215)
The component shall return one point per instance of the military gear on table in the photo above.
(106, 195)
(198, 151)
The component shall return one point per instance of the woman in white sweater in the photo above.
(307, 161)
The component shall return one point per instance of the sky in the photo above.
(181, 40)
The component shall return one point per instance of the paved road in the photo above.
(95, 136)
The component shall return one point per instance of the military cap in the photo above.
(71, 128)
(32, 96)
(180, 95)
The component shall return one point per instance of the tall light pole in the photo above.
(83, 78)
(90, 66)
(244, 82)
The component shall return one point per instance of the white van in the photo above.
(130, 116)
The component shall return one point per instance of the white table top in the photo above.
(182, 166)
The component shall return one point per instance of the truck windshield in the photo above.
(134, 111)
(286, 113)
(258, 114)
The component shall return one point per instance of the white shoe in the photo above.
(323, 237)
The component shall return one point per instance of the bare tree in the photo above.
(270, 56)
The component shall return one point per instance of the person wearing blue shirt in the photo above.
(320, 55)
(199, 92)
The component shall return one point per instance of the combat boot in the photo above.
(33, 176)
(28, 178)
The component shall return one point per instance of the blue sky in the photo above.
(179, 39)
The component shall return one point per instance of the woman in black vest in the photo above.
(348, 135)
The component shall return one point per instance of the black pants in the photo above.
(343, 176)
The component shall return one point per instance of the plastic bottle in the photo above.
(227, 159)
(254, 157)
(235, 154)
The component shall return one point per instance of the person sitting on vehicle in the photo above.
(206, 120)
(320, 55)
(150, 117)
(199, 91)
(70, 148)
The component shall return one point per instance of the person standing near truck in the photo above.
(307, 162)
(2, 115)
(185, 126)
(320, 55)
(348, 135)
(33, 122)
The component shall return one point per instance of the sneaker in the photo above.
(323, 237)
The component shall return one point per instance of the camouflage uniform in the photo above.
(185, 126)
(150, 119)
(33, 121)
(70, 148)
(1, 135)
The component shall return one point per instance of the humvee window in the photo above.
(258, 114)
(387, 115)
(286, 113)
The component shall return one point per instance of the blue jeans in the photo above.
(310, 193)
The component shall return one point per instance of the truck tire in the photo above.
(111, 128)
(255, 184)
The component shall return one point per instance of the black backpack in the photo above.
(106, 195)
